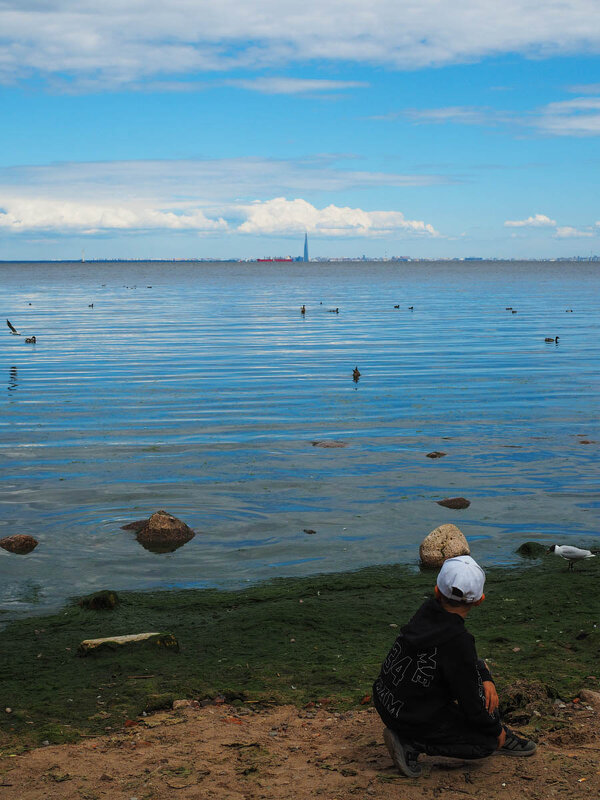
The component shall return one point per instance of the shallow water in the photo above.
(198, 388)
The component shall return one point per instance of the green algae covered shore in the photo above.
(318, 639)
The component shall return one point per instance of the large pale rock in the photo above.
(112, 643)
(20, 543)
(194, 705)
(162, 532)
(444, 542)
(591, 698)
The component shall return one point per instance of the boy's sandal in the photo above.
(517, 745)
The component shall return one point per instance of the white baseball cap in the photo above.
(461, 579)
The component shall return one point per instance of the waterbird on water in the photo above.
(355, 374)
(570, 553)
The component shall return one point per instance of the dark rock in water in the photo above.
(531, 550)
(20, 543)
(308, 530)
(436, 454)
(134, 526)
(454, 502)
(328, 443)
(163, 533)
(99, 601)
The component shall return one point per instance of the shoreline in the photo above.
(286, 641)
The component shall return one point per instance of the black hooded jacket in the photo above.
(432, 664)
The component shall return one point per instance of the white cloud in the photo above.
(220, 195)
(200, 181)
(577, 117)
(567, 232)
(542, 221)
(46, 214)
(281, 216)
(116, 42)
(277, 216)
(295, 85)
(536, 221)
(585, 88)
(462, 115)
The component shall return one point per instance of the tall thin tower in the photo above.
(306, 246)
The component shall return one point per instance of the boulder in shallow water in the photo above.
(328, 443)
(532, 550)
(435, 454)
(454, 502)
(135, 526)
(104, 600)
(444, 542)
(19, 543)
(163, 533)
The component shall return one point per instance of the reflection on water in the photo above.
(12, 379)
(199, 388)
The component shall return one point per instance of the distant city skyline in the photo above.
(431, 130)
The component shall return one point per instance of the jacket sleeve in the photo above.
(466, 686)
(482, 669)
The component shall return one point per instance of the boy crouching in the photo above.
(433, 693)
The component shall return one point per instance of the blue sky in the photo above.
(432, 128)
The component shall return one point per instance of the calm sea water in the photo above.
(198, 388)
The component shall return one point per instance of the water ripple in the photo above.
(203, 393)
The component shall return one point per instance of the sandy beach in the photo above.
(234, 753)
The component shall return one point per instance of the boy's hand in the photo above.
(491, 696)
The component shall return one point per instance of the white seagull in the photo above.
(571, 554)
(15, 332)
